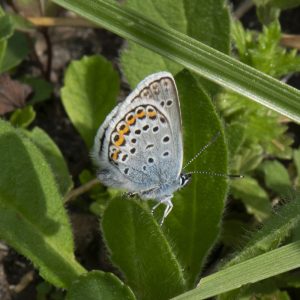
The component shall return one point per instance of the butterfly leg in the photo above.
(155, 206)
(169, 207)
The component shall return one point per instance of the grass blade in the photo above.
(253, 270)
(192, 54)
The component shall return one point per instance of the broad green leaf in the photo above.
(89, 93)
(206, 21)
(192, 54)
(97, 285)
(194, 224)
(140, 250)
(54, 158)
(253, 196)
(276, 177)
(32, 217)
(23, 117)
(17, 50)
(42, 89)
(6, 27)
(253, 270)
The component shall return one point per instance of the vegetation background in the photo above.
(60, 75)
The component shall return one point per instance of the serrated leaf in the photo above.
(277, 177)
(253, 196)
(54, 157)
(17, 49)
(32, 217)
(193, 225)
(139, 248)
(89, 93)
(206, 21)
(23, 117)
(97, 285)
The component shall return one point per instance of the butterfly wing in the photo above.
(139, 145)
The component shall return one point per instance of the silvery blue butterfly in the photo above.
(139, 148)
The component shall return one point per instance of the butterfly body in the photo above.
(139, 145)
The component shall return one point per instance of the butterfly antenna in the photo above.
(217, 174)
(203, 149)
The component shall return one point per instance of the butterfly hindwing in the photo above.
(139, 145)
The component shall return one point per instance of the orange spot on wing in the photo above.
(119, 141)
(115, 155)
(141, 115)
(131, 121)
(152, 114)
(124, 131)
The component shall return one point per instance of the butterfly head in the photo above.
(184, 179)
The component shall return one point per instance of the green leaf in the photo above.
(139, 248)
(276, 177)
(89, 93)
(206, 21)
(194, 223)
(253, 196)
(42, 89)
(6, 27)
(97, 285)
(16, 51)
(3, 46)
(32, 217)
(235, 134)
(253, 270)
(275, 230)
(20, 23)
(234, 233)
(23, 117)
(282, 4)
(194, 55)
(54, 157)
(296, 156)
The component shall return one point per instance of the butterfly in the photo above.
(139, 147)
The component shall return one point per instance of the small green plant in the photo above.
(153, 261)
